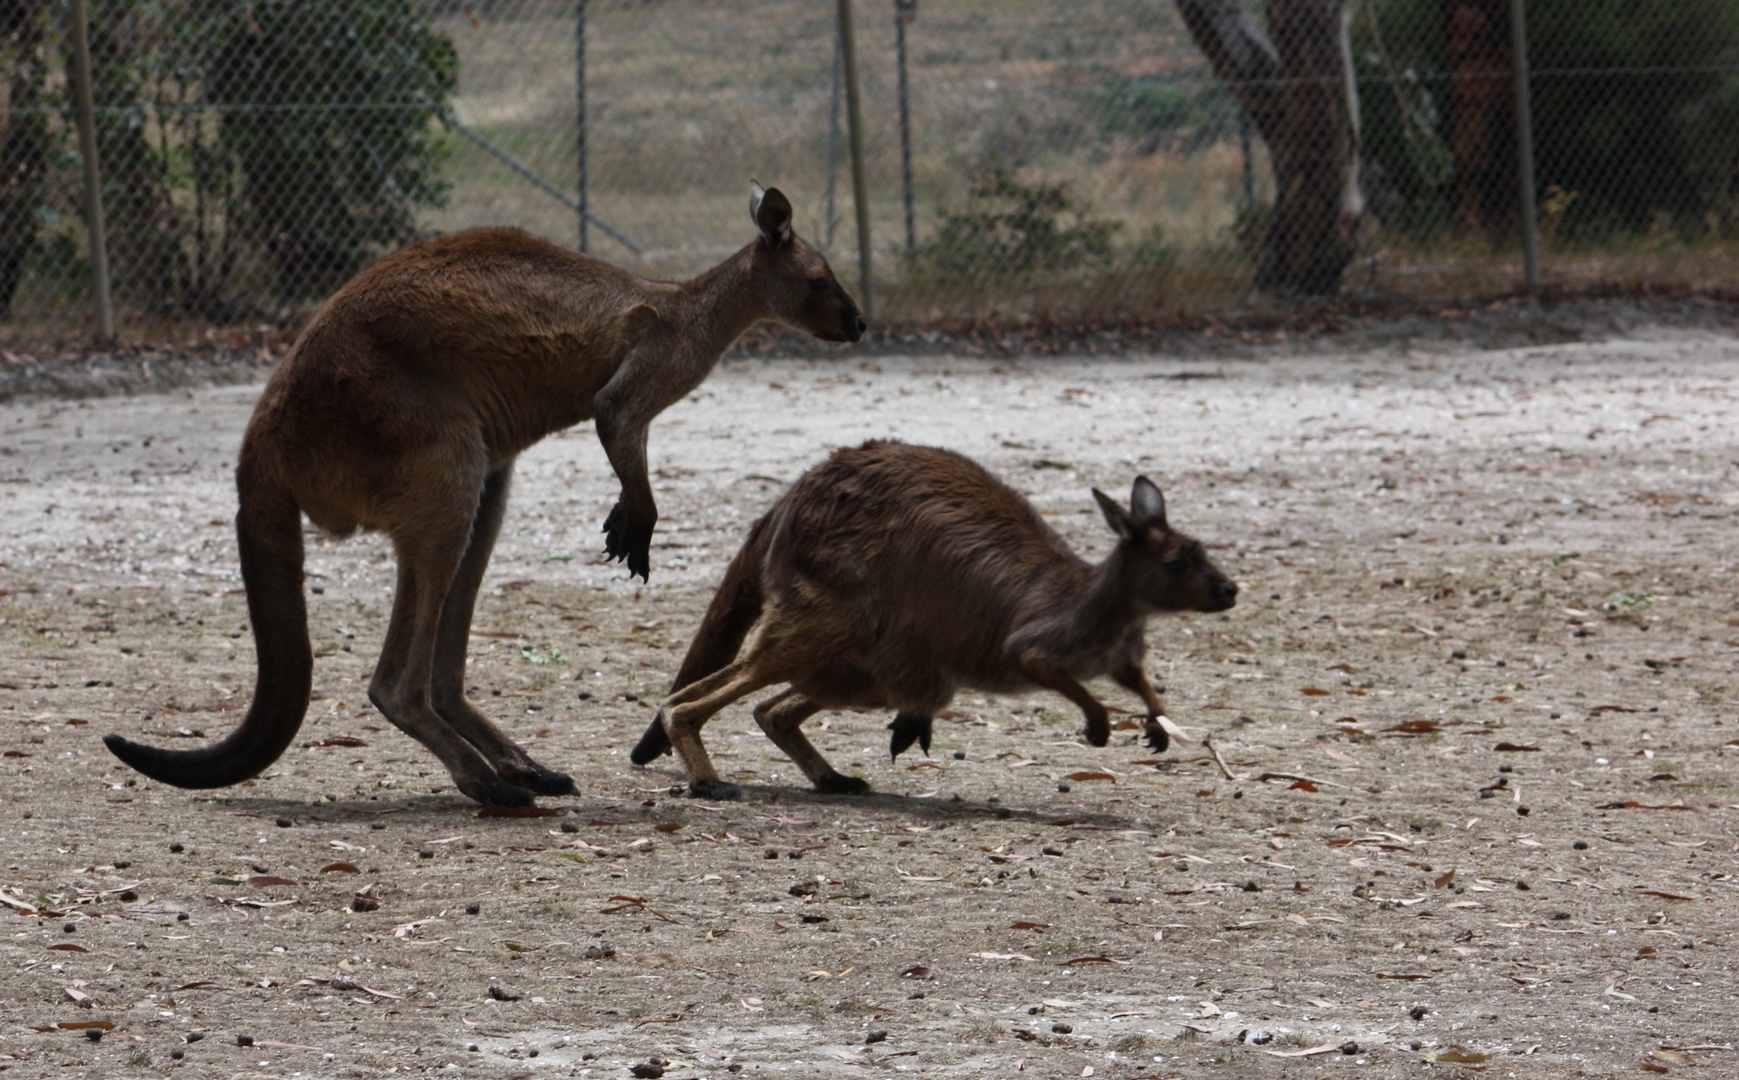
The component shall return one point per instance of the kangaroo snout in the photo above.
(1222, 595)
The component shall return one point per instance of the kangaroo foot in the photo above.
(839, 784)
(655, 743)
(540, 780)
(1156, 736)
(492, 790)
(722, 790)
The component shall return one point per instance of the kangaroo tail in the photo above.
(729, 617)
(269, 533)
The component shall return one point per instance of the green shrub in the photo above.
(1013, 230)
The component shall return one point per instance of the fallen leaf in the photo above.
(340, 868)
(1302, 785)
(1610, 708)
(1510, 747)
(261, 881)
(1094, 960)
(1314, 691)
(1416, 727)
(1092, 776)
(926, 765)
(1461, 1057)
(1030, 926)
(1325, 1048)
(83, 1025)
(79, 997)
(668, 826)
(918, 971)
(1664, 895)
(69, 948)
(340, 740)
(1391, 975)
(1442, 880)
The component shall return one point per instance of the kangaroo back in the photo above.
(269, 533)
(733, 611)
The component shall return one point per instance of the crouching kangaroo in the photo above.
(401, 408)
(889, 576)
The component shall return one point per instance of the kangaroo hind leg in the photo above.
(447, 683)
(430, 550)
(781, 718)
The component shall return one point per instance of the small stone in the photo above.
(176, 848)
(1062, 1029)
(69, 928)
(1506, 767)
(1522, 885)
(569, 827)
(813, 919)
(1415, 1045)
(499, 994)
(875, 1037)
(425, 854)
(1064, 788)
(1580, 845)
(647, 1071)
(1523, 811)
(1003, 813)
(1418, 1012)
(473, 908)
(94, 1034)
(1458, 654)
(193, 1036)
(769, 854)
(181, 916)
(244, 1040)
(959, 755)
(473, 1048)
(1349, 1048)
(364, 903)
(284, 823)
(129, 896)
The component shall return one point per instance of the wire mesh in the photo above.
(1022, 158)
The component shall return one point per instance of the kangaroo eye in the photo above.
(818, 284)
(1177, 566)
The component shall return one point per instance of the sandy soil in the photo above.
(1488, 615)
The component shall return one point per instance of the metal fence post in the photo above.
(833, 136)
(904, 12)
(1525, 150)
(859, 189)
(580, 108)
(87, 138)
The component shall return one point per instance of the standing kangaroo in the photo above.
(889, 576)
(401, 408)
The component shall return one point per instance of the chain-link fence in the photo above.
(1107, 158)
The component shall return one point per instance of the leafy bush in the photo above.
(1009, 229)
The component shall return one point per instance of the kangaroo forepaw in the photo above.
(838, 784)
(655, 743)
(1156, 737)
(1098, 732)
(720, 790)
(629, 541)
(909, 728)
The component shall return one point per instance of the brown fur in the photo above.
(890, 576)
(402, 407)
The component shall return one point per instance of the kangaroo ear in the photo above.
(1116, 517)
(771, 212)
(1146, 503)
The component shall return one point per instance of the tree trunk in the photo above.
(1296, 86)
(24, 141)
(1482, 115)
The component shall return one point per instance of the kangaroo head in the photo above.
(1166, 570)
(798, 286)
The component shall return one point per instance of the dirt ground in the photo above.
(1477, 697)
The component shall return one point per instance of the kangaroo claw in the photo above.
(909, 728)
(1155, 735)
